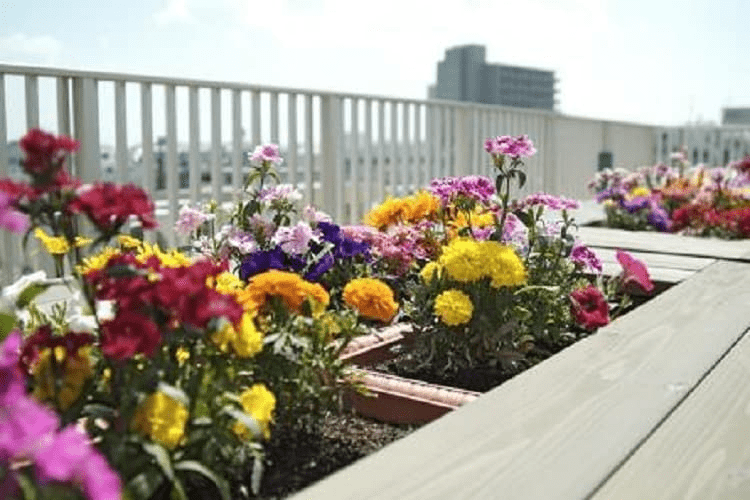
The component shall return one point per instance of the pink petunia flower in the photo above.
(634, 271)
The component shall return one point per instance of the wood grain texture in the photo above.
(664, 243)
(702, 451)
(663, 268)
(559, 429)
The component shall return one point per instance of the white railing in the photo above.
(344, 151)
(712, 145)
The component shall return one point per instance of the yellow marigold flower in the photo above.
(259, 403)
(245, 339)
(430, 271)
(423, 205)
(389, 212)
(76, 369)
(462, 259)
(371, 298)
(128, 242)
(453, 307)
(97, 261)
(162, 418)
(502, 264)
(289, 287)
(55, 245)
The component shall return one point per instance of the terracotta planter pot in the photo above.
(377, 346)
(404, 401)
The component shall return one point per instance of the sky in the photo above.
(660, 62)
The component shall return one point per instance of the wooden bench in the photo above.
(654, 406)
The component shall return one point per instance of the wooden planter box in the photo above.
(655, 405)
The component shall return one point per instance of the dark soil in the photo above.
(299, 459)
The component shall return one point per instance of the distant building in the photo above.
(465, 76)
(735, 116)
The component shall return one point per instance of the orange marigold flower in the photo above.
(371, 298)
(289, 287)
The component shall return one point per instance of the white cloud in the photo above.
(21, 48)
(173, 11)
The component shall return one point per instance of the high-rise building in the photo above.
(735, 116)
(465, 76)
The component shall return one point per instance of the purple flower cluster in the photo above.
(549, 201)
(507, 145)
(29, 432)
(311, 253)
(583, 256)
(268, 152)
(475, 187)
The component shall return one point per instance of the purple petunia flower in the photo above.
(659, 218)
(319, 268)
(635, 204)
(261, 261)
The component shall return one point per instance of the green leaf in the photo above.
(194, 466)
(161, 455)
(27, 487)
(7, 323)
(521, 178)
(143, 486)
(29, 293)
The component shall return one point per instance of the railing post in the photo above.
(330, 162)
(463, 139)
(86, 128)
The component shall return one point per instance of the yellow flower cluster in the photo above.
(259, 403)
(76, 369)
(371, 298)
(161, 418)
(415, 208)
(453, 307)
(55, 245)
(245, 339)
(638, 191)
(289, 287)
(97, 261)
(467, 260)
(478, 218)
(227, 283)
(430, 271)
(172, 258)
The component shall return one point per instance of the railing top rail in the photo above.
(13, 69)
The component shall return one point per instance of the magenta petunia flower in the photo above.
(583, 256)
(634, 271)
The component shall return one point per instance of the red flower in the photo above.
(109, 205)
(634, 271)
(45, 152)
(743, 165)
(128, 334)
(589, 308)
(43, 338)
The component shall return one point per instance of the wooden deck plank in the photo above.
(665, 243)
(663, 268)
(559, 429)
(665, 275)
(702, 451)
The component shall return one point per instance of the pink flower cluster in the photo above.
(583, 256)
(268, 152)
(475, 187)
(397, 248)
(279, 192)
(507, 145)
(549, 201)
(10, 218)
(190, 219)
(29, 432)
